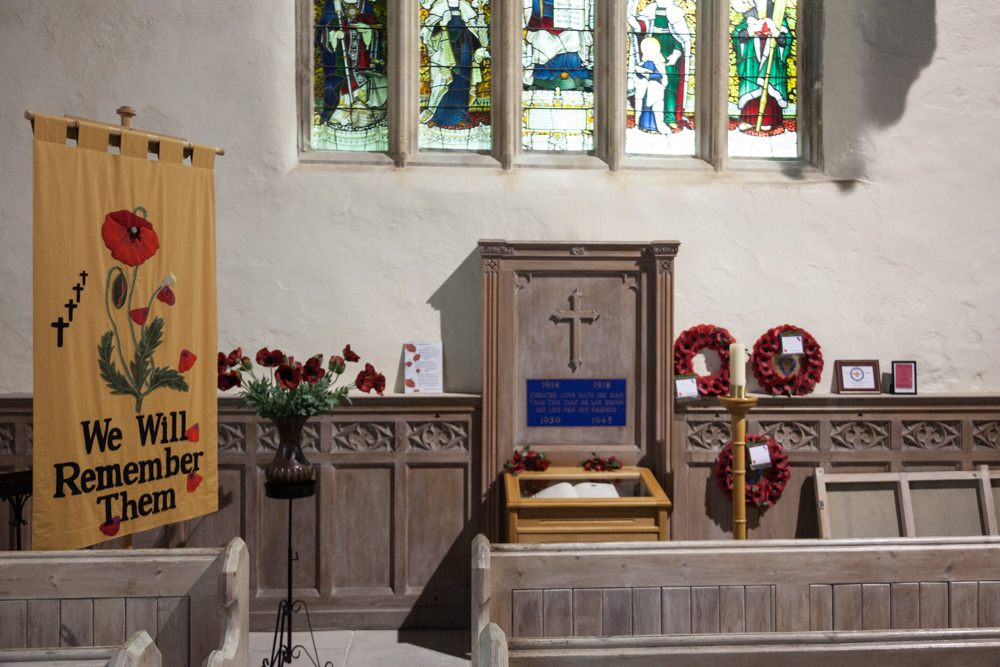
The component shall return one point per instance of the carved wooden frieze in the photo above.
(269, 437)
(793, 435)
(709, 435)
(859, 435)
(438, 436)
(232, 438)
(6, 438)
(986, 434)
(363, 437)
(932, 435)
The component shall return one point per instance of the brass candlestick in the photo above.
(738, 404)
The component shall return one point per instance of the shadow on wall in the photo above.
(873, 52)
(459, 300)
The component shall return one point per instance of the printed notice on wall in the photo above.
(422, 372)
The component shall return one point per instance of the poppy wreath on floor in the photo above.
(693, 341)
(792, 375)
(764, 487)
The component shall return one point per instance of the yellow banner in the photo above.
(124, 336)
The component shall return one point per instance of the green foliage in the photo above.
(269, 399)
(117, 382)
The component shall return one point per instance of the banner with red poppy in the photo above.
(124, 336)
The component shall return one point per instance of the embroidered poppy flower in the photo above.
(349, 354)
(166, 295)
(369, 379)
(139, 315)
(187, 360)
(269, 358)
(193, 434)
(313, 371)
(130, 239)
(193, 480)
(337, 365)
(289, 375)
(229, 379)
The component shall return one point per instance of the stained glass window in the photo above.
(661, 75)
(558, 75)
(349, 75)
(762, 72)
(455, 74)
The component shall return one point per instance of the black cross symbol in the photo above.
(60, 325)
(84, 274)
(78, 289)
(70, 306)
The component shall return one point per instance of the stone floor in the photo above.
(374, 648)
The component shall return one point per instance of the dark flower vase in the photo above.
(289, 465)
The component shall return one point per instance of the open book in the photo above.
(580, 490)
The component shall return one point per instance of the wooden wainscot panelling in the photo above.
(383, 543)
(838, 433)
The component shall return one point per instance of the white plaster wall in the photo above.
(902, 262)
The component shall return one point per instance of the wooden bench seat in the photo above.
(567, 595)
(194, 603)
(138, 651)
(911, 648)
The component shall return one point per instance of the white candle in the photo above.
(737, 365)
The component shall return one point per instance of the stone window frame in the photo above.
(610, 97)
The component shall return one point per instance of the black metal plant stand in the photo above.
(15, 487)
(282, 649)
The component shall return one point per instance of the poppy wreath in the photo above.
(769, 484)
(693, 341)
(803, 380)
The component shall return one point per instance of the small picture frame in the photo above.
(904, 377)
(858, 377)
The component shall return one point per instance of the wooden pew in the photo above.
(911, 648)
(138, 651)
(716, 588)
(194, 603)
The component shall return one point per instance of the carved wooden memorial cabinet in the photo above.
(577, 344)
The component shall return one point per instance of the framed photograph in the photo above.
(858, 377)
(904, 377)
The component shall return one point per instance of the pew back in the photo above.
(681, 588)
(194, 603)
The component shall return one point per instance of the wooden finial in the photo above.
(127, 113)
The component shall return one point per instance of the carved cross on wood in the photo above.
(575, 316)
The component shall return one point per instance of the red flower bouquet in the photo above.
(290, 388)
(526, 460)
(597, 464)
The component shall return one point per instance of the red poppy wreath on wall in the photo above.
(764, 487)
(789, 374)
(693, 341)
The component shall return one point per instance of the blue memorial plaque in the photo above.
(576, 403)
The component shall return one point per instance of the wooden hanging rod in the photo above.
(115, 135)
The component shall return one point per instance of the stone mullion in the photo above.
(404, 76)
(711, 85)
(505, 53)
(610, 82)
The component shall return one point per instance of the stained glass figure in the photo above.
(558, 81)
(762, 69)
(661, 77)
(455, 74)
(350, 76)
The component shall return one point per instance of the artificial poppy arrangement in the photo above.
(791, 375)
(598, 464)
(693, 341)
(763, 487)
(526, 460)
(132, 240)
(290, 388)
